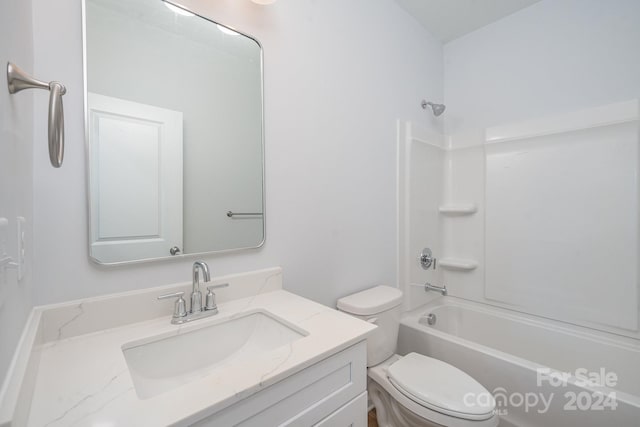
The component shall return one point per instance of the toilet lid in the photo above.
(441, 387)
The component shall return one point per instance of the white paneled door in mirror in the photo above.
(136, 178)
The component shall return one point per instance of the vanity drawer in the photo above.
(302, 399)
(353, 414)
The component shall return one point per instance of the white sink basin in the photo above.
(161, 363)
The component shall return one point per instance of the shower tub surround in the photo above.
(525, 292)
(70, 368)
(541, 372)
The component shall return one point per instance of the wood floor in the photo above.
(371, 420)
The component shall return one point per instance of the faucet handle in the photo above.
(180, 307)
(221, 285)
(210, 300)
(427, 259)
(171, 295)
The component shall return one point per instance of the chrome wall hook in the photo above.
(18, 80)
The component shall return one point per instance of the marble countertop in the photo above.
(83, 380)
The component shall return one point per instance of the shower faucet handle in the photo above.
(427, 259)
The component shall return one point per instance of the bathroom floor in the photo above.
(371, 419)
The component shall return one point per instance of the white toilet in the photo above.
(414, 390)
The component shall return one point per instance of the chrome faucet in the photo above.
(196, 295)
(429, 287)
(180, 314)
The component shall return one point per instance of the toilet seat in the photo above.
(378, 378)
(441, 387)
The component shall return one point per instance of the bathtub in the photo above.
(541, 372)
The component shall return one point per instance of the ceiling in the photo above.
(450, 19)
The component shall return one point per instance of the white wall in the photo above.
(16, 170)
(554, 57)
(337, 76)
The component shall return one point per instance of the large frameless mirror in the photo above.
(174, 128)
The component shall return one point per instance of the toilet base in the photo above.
(394, 409)
(390, 413)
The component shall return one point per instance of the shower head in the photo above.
(437, 109)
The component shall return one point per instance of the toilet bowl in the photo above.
(435, 401)
(414, 390)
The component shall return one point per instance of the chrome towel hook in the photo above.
(18, 80)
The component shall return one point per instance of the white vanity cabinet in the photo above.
(330, 393)
(97, 372)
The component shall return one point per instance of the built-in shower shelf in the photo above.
(460, 264)
(460, 209)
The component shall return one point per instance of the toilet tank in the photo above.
(381, 306)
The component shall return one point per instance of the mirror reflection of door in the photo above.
(145, 62)
(136, 178)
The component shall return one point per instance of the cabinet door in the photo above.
(353, 414)
(305, 398)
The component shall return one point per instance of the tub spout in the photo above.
(429, 287)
